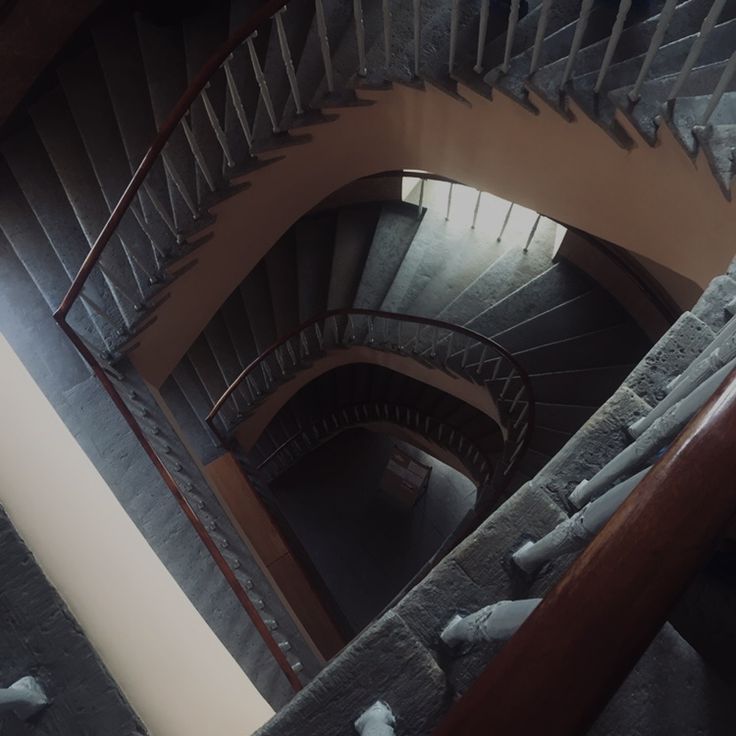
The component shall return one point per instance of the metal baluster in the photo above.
(709, 23)
(267, 375)
(532, 233)
(159, 254)
(371, 328)
(475, 210)
(449, 202)
(433, 353)
(665, 18)
(304, 345)
(510, 32)
(280, 360)
(288, 61)
(399, 346)
(507, 383)
(360, 37)
(539, 37)
(324, 42)
(120, 288)
(466, 350)
(618, 28)
(238, 104)
(216, 127)
(496, 369)
(417, 35)
(97, 309)
(161, 210)
(505, 222)
(728, 73)
(387, 33)
(318, 335)
(448, 354)
(454, 23)
(262, 81)
(482, 359)
(421, 198)
(179, 183)
(198, 155)
(577, 40)
(522, 414)
(485, 6)
(292, 354)
(515, 401)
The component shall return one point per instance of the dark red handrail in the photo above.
(256, 20)
(377, 314)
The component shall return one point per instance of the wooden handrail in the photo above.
(377, 314)
(264, 13)
(240, 593)
(558, 671)
(254, 22)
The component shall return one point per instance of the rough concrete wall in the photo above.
(39, 636)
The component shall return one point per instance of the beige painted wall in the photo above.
(175, 672)
(652, 201)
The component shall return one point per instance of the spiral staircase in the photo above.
(112, 255)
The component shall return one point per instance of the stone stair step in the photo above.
(591, 311)
(392, 238)
(354, 232)
(558, 284)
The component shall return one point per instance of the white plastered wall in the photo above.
(174, 671)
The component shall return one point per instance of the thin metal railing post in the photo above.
(723, 83)
(475, 210)
(485, 7)
(360, 37)
(532, 233)
(510, 33)
(237, 101)
(577, 41)
(618, 28)
(387, 33)
(417, 18)
(454, 23)
(505, 222)
(539, 36)
(324, 43)
(262, 82)
(449, 202)
(288, 61)
(665, 18)
(707, 26)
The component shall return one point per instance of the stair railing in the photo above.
(147, 230)
(594, 625)
(84, 293)
(318, 430)
(458, 351)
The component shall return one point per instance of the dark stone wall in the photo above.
(39, 636)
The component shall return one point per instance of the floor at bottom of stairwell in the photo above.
(365, 551)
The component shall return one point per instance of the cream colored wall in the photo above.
(176, 674)
(653, 201)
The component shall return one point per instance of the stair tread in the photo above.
(395, 229)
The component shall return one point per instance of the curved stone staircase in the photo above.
(67, 162)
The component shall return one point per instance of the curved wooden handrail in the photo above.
(378, 314)
(264, 13)
(558, 671)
